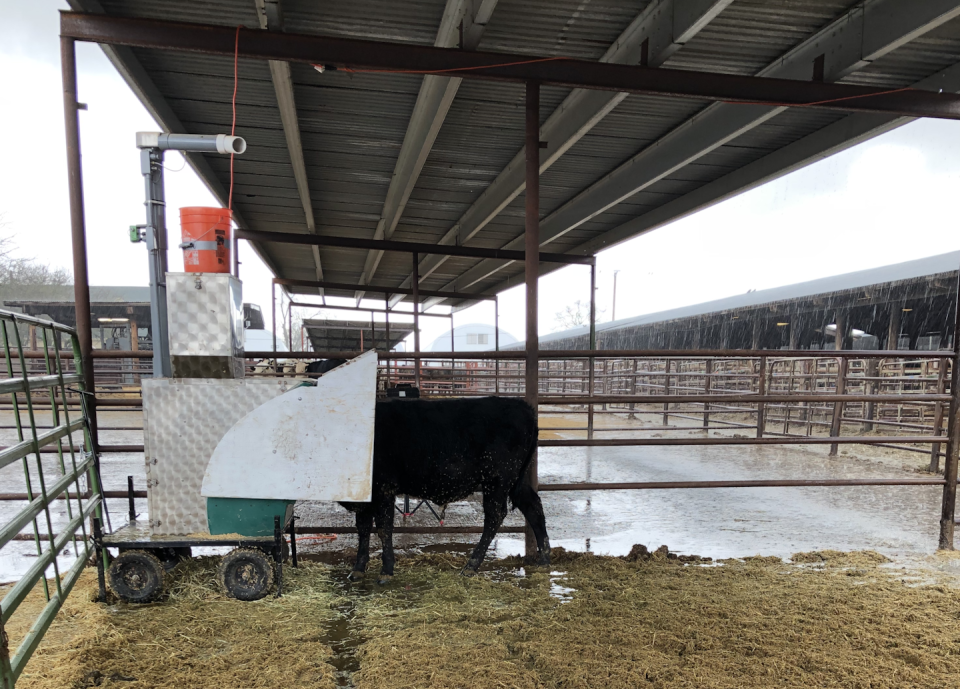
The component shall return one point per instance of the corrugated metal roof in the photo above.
(353, 125)
(132, 294)
(331, 335)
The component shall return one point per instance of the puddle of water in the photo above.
(557, 590)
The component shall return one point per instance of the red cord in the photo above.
(233, 124)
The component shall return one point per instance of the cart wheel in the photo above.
(246, 574)
(136, 576)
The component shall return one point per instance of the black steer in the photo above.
(443, 451)
(324, 365)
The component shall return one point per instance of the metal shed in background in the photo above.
(327, 335)
(902, 306)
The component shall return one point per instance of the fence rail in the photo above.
(35, 380)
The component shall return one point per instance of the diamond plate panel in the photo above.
(183, 420)
(205, 314)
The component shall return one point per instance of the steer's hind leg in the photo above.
(364, 526)
(528, 502)
(384, 517)
(494, 510)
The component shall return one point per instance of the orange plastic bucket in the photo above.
(205, 234)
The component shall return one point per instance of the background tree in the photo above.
(575, 315)
(26, 271)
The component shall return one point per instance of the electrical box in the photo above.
(205, 323)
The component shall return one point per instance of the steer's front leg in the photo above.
(364, 527)
(384, 517)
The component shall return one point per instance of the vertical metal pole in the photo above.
(761, 390)
(938, 418)
(236, 257)
(453, 364)
(290, 325)
(373, 330)
(151, 167)
(386, 308)
(593, 345)
(949, 505)
(840, 320)
(666, 391)
(131, 502)
(273, 318)
(893, 329)
(707, 379)
(532, 272)
(496, 344)
(838, 406)
(415, 283)
(81, 282)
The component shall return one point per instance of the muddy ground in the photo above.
(829, 619)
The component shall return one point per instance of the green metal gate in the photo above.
(37, 386)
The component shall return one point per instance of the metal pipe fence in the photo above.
(46, 378)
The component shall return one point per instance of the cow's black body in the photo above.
(444, 451)
(324, 365)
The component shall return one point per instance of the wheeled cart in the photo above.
(139, 571)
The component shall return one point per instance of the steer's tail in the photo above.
(523, 480)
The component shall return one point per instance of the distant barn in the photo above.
(902, 306)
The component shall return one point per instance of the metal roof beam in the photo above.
(508, 67)
(878, 27)
(382, 289)
(406, 247)
(270, 15)
(652, 38)
(433, 103)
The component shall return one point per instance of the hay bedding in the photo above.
(835, 620)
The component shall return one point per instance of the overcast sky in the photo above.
(885, 201)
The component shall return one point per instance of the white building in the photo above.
(473, 337)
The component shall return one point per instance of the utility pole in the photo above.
(613, 316)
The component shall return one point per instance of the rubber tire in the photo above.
(136, 576)
(246, 574)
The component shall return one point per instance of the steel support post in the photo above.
(151, 167)
(893, 329)
(496, 345)
(593, 345)
(840, 320)
(707, 379)
(838, 406)
(415, 284)
(78, 231)
(949, 505)
(290, 325)
(386, 316)
(761, 390)
(532, 272)
(273, 319)
(937, 417)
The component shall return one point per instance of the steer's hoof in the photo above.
(384, 579)
(355, 575)
(468, 571)
(544, 559)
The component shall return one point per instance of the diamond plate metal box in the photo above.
(183, 420)
(205, 315)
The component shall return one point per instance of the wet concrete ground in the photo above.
(901, 522)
